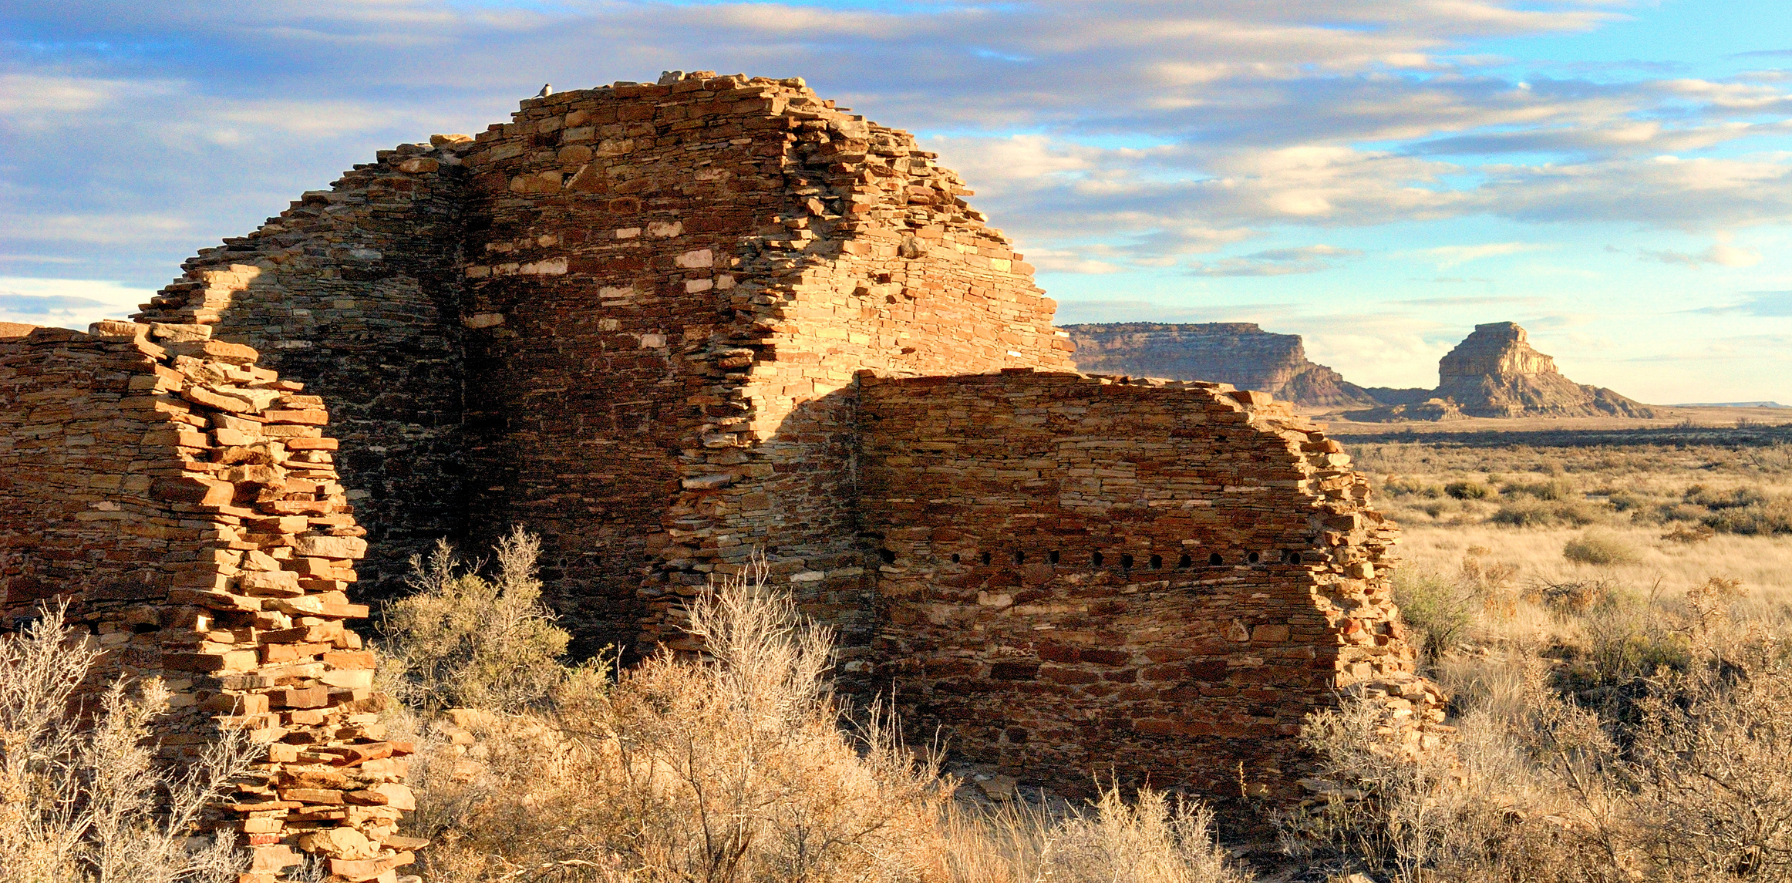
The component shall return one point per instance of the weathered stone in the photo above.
(175, 586)
(762, 323)
(1494, 372)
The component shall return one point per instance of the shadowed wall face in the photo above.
(1161, 580)
(356, 292)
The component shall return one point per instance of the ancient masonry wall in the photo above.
(184, 502)
(1158, 580)
(356, 290)
(628, 320)
(669, 287)
(667, 325)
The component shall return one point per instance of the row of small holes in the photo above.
(1097, 559)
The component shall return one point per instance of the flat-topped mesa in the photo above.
(668, 326)
(1239, 353)
(1495, 372)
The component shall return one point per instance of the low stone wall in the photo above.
(184, 503)
(1157, 581)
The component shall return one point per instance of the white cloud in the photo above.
(1720, 254)
(68, 303)
(1449, 256)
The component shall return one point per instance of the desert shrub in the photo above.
(1623, 501)
(1556, 490)
(1712, 768)
(1377, 806)
(82, 796)
(1599, 549)
(1768, 518)
(1467, 490)
(1441, 610)
(1736, 498)
(1535, 513)
(464, 640)
(1524, 513)
(1625, 643)
(1689, 535)
(1574, 597)
(1577, 513)
(728, 767)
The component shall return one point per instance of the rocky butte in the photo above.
(667, 326)
(1495, 372)
(1239, 353)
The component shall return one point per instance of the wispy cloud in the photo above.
(1276, 262)
(1764, 304)
(1721, 253)
(1448, 256)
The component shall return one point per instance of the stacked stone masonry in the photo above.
(668, 325)
(184, 503)
(1083, 576)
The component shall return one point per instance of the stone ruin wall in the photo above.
(356, 290)
(1083, 577)
(667, 325)
(184, 503)
(660, 295)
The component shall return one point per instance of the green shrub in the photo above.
(1758, 519)
(1556, 489)
(1441, 610)
(1524, 513)
(1600, 549)
(465, 641)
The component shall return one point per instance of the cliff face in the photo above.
(1494, 372)
(1239, 353)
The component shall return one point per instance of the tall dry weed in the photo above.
(83, 799)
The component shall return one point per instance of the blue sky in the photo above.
(1378, 176)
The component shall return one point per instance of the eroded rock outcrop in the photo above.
(1239, 353)
(1495, 372)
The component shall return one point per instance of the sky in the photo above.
(1378, 176)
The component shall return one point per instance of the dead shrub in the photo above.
(1689, 535)
(82, 796)
(1573, 597)
(1714, 756)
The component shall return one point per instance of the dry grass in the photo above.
(1619, 667)
(82, 799)
(740, 766)
(1674, 513)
